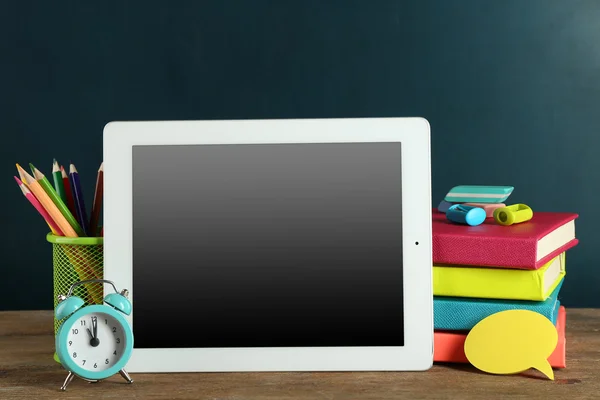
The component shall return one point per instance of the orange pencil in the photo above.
(47, 203)
(97, 206)
(34, 202)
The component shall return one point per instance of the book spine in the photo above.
(488, 283)
(449, 347)
(456, 315)
(507, 252)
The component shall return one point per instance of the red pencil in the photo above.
(67, 185)
(95, 217)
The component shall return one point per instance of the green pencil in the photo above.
(58, 182)
(64, 210)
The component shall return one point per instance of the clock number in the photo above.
(82, 323)
(118, 340)
(114, 329)
(83, 362)
(115, 352)
(105, 321)
(70, 342)
(75, 331)
(106, 361)
(74, 355)
(95, 365)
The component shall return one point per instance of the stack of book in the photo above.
(484, 269)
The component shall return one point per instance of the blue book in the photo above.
(462, 313)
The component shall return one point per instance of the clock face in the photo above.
(96, 341)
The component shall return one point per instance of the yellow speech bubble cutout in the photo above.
(510, 342)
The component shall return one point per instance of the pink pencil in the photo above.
(35, 202)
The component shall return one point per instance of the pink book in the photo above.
(527, 245)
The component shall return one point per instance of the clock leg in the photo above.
(67, 381)
(126, 376)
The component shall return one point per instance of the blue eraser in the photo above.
(444, 206)
(478, 194)
(468, 215)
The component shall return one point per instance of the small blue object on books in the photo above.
(478, 194)
(468, 215)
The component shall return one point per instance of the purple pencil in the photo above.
(78, 197)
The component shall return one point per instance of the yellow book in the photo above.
(498, 282)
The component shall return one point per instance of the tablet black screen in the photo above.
(267, 245)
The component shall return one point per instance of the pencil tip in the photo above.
(101, 167)
(18, 180)
(24, 175)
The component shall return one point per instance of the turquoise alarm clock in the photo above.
(96, 341)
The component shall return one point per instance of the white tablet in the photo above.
(272, 245)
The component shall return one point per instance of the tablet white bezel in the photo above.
(414, 136)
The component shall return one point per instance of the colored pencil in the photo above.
(64, 210)
(49, 202)
(46, 202)
(21, 176)
(68, 191)
(78, 195)
(97, 206)
(34, 202)
(58, 182)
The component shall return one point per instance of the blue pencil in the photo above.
(78, 196)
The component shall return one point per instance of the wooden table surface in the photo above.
(27, 371)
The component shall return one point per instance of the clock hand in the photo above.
(90, 332)
(94, 342)
(95, 327)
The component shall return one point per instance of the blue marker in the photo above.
(468, 215)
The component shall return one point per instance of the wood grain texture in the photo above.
(27, 371)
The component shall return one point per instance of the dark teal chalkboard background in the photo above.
(511, 89)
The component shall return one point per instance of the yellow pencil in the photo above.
(47, 203)
(20, 170)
